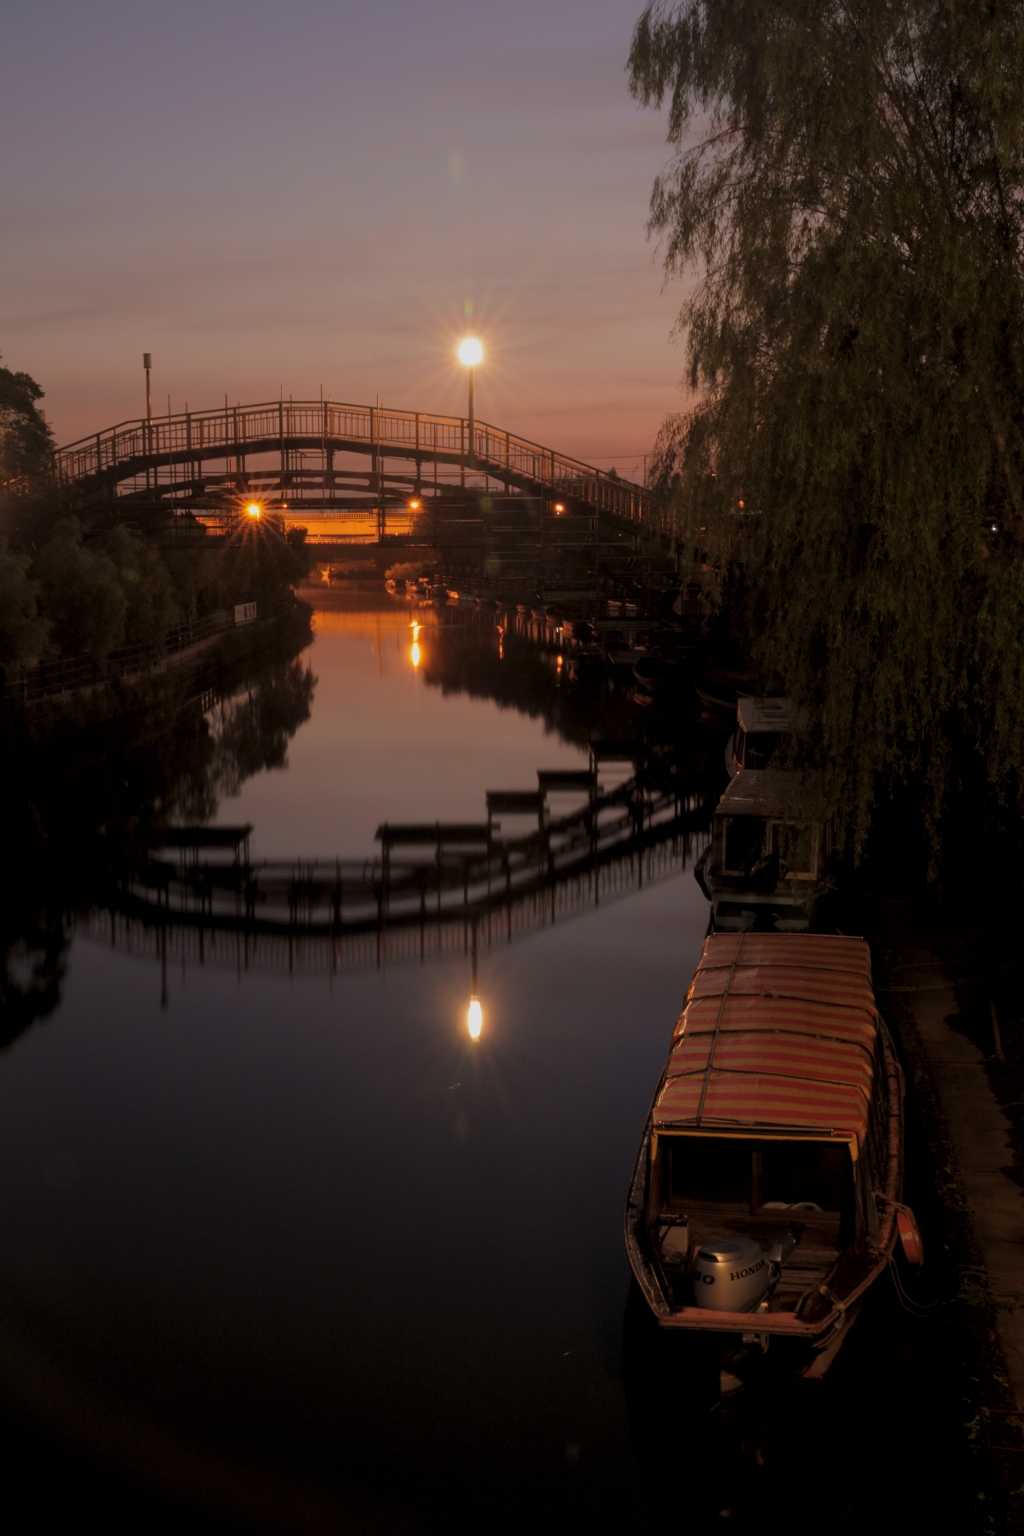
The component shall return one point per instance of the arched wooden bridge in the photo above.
(320, 456)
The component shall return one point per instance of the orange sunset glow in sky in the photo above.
(331, 194)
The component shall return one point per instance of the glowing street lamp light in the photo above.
(475, 1014)
(253, 509)
(471, 353)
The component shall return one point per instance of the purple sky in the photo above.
(331, 193)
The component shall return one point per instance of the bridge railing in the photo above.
(233, 431)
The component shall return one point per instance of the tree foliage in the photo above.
(81, 594)
(30, 500)
(847, 191)
(26, 442)
(23, 634)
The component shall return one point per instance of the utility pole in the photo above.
(147, 363)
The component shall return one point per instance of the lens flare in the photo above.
(470, 352)
(475, 1018)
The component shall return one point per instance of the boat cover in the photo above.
(778, 1032)
(779, 715)
(771, 793)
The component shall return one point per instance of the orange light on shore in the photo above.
(475, 1019)
(559, 507)
(415, 504)
(253, 509)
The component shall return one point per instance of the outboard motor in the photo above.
(731, 1274)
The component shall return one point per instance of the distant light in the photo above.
(414, 505)
(415, 654)
(254, 509)
(475, 1018)
(559, 506)
(470, 352)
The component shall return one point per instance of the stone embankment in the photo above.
(949, 995)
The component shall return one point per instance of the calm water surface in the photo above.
(295, 1240)
(282, 1249)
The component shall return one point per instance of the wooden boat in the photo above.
(767, 864)
(715, 704)
(766, 1197)
(761, 723)
(657, 674)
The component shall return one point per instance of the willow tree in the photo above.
(846, 194)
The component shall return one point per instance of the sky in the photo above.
(329, 194)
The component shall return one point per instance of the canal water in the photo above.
(281, 1247)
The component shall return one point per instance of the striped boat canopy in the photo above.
(778, 1034)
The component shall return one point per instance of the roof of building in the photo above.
(778, 1033)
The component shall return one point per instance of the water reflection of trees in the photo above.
(467, 655)
(241, 736)
(77, 809)
(78, 815)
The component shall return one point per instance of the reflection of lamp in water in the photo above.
(416, 654)
(475, 1014)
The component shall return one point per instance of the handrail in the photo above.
(269, 426)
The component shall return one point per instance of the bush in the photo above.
(150, 606)
(22, 632)
(82, 595)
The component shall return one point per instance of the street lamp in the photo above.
(470, 353)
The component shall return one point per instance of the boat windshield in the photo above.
(759, 747)
(757, 1175)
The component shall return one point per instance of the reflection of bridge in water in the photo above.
(209, 903)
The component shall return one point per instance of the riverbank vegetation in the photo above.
(847, 194)
(74, 582)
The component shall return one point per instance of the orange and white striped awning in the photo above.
(778, 1033)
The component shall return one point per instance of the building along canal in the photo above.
(281, 1246)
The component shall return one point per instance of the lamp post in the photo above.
(147, 363)
(470, 353)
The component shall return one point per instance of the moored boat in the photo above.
(761, 724)
(767, 866)
(766, 1197)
